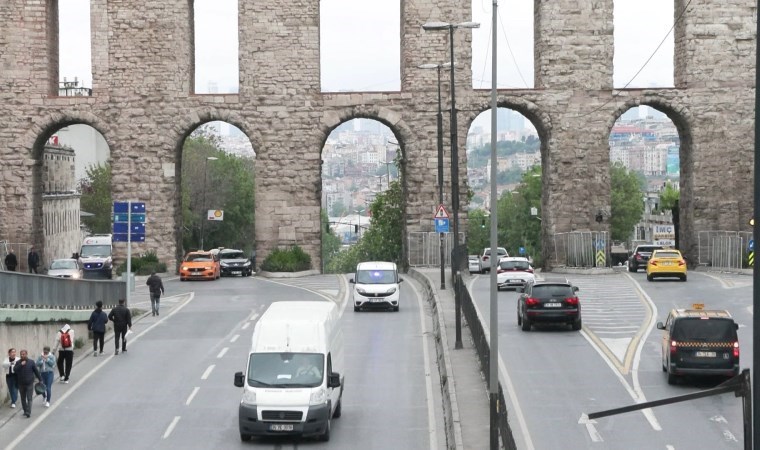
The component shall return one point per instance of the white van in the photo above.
(95, 256)
(376, 285)
(292, 385)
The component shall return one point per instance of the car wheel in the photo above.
(245, 437)
(326, 435)
(664, 369)
(519, 319)
(337, 412)
(182, 279)
(650, 278)
(525, 324)
(357, 309)
(577, 325)
(672, 379)
(395, 308)
(632, 268)
(683, 278)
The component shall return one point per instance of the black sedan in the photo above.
(548, 301)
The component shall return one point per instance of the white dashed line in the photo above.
(171, 427)
(235, 337)
(224, 350)
(207, 372)
(192, 395)
(245, 325)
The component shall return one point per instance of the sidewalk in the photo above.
(467, 389)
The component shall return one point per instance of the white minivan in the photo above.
(292, 385)
(376, 285)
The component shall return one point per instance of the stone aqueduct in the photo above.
(143, 104)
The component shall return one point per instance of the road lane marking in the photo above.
(171, 427)
(432, 430)
(192, 395)
(73, 388)
(245, 325)
(337, 301)
(221, 354)
(235, 337)
(208, 372)
(591, 428)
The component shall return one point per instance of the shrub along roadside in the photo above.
(143, 264)
(293, 259)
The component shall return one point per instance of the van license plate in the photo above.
(552, 305)
(705, 354)
(281, 427)
(376, 300)
(236, 272)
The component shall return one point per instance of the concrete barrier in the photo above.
(42, 291)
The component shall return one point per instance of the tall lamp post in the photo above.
(435, 26)
(439, 123)
(203, 209)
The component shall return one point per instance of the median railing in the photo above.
(21, 290)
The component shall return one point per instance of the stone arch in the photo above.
(188, 123)
(44, 127)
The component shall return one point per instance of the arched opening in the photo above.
(519, 188)
(215, 41)
(362, 195)
(217, 200)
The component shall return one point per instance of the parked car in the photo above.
(485, 259)
(199, 265)
(234, 262)
(699, 342)
(640, 256)
(66, 268)
(666, 263)
(473, 264)
(514, 272)
(548, 301)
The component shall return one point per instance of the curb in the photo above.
(304, 273)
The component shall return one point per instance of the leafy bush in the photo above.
(293, 259)
(143, 264)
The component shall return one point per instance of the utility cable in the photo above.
(504, 30)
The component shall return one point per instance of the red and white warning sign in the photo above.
(441, 213)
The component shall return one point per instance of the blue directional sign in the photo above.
(751, 245)
(442, 225)
(522, 250)
(123, 237)
(137, 228)
(129, 221)
(600, 244)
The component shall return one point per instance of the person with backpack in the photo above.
(156, 287)
(46, 366)
(64, 344)
(122, 321)
(97, 324)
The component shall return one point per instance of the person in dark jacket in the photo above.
(26, 372)
(33, 260)
(156, 287)
(97, 324)
(122, 321)
(11, 261)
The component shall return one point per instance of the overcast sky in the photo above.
(360, 43)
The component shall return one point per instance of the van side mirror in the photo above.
(576, 289)
(239, 379)
(736, 326)
(351, 281)
(660, 326)
(400, 280)
(333, 381)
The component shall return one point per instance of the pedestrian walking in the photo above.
(64, 345)
(26, 374)
(156, 287)
(10, 375)
(122, 321)
(97, 324)
(33, 260)
(46, 366)
(11, 261)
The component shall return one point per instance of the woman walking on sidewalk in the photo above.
(10, 375)
(46, 366)
(64, 343)
(97, 324)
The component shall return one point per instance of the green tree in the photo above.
(478, 231)
(96, 198)
(338, 209)
(669, 197)
(330, 242)
(626, 201)
(516, 226)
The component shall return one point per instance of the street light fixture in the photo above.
(439, 123)
(203, 209)
(437, 26)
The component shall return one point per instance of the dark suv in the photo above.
(548, 301)
(640, 256)
(699, 342)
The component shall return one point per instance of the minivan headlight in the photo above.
(391, 290)
(360, 290)
(318, 397)
(249, 397)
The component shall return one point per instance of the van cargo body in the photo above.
(292, 384)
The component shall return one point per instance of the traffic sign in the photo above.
(137, 228)
(442, 225)
(600, 244)
(441, 213)
(123, 237)
(215, 214)
(521, 250)
(751, 245)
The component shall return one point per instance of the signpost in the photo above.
(441, 219)
(129, 225)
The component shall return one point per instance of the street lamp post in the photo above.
(203, 208)
(439, 128)
(432, 26)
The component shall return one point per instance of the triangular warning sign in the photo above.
(441, 213)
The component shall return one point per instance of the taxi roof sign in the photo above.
(698, 306)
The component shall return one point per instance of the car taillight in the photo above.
(529, 270)
(501, 270)
(736, 349)
(572, 301)
(637, 256)
(673, 347)
(485, 258)
(652, 262)
(530, 301)
(681, 262)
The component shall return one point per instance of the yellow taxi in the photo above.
(666, 263)
(200, 265)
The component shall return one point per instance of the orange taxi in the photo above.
(200, 265)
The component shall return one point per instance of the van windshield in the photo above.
(95, 250)
(706, 330)
(286, 370)
(376, 277)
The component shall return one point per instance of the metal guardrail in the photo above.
(425, 251)
(28, 290)
(579, 248)
(723, 249)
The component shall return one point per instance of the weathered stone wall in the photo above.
(143, 104)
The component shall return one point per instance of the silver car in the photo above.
(65, 268)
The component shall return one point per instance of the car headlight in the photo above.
(246, 264)
(184, 268)
(361, 290)
(76, 275)
(223, 264)
(207, 268)
(391, 290)
(318, 397)
(249, 397)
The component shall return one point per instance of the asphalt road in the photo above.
(557, 375)
(174, 387)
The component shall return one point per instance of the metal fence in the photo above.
(21, 249)
(723, 249)
(18, 289)
(425, 250)
(581, 248)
